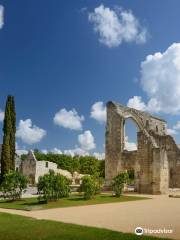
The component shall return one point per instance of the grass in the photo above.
(74, 200)
(15, 227)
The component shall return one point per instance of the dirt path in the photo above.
(157, 213)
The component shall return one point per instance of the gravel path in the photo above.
(157, 213)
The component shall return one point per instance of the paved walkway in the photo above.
(157, 213)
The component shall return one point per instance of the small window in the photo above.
(147, 123)
(17, 169)
(46, 164)
(156, 128)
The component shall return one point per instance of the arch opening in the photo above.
(130, 135)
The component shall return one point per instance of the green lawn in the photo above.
(13, 227)
(74, 200)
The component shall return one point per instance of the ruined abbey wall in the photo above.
(156, 163)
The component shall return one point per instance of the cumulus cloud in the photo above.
(129, 146)
(175, 129)
(1, 115)
(20, 151)
(99, 156)
(45, 151)
(116, 26)
(171, 131)
(1, 16)
(98, 112)
(86, 140)
(76, 151)
(68, 119)
(29, 133)
(177, 126)
(56, 151)
(137, 103)
(160, 79)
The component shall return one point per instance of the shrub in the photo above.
(131, 176)
(52, 187)
(118, 183)
(99, 182)
(13, 185)
(88, 187)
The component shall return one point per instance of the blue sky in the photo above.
(72, 54)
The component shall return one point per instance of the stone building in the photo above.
(33, 169)
(156, 162)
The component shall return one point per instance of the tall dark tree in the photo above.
(13, 133)
(9, 130)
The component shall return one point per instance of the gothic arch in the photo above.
(150, 176)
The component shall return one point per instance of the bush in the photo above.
(131, 176)
(13, 185)
(88, 187)
(99, 182)
(118, 183)
(52, 187)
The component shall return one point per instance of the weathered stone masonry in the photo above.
(156, 163)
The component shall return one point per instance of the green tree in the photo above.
(89, 165)
(9, 130)
(101, 169)
(88, 187)
(118, 183)
(13, 185)
(52, 187)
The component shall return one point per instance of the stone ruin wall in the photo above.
(156, 163)
(33, 169)
(28, 167)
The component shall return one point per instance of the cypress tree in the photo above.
(13, 134)
(9, 130)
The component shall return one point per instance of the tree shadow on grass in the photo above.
(34, 203)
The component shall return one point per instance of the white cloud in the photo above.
(116, 26)
(137, 103)
(29, 133)
(1, 115)
(171, 131)
(160, 79)
(129, 146)
(56, 151)
(98, 112)
(99, 156)
(175, 129)
(1, 16)
(76, 151)
(177, 125)
(68, 119)
(72, 152)
(86, 140)
(45, 151)
(20, 151)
